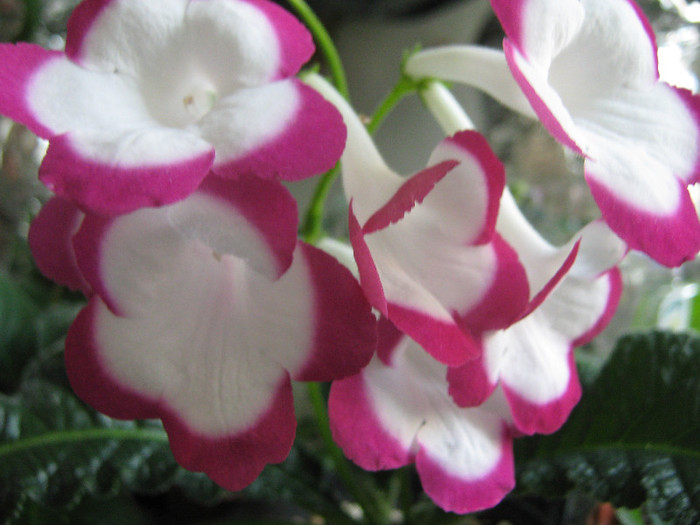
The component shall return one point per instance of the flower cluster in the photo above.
(450, 329)
(170, 124)
(479, 318)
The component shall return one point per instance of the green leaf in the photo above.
(18, 339)
(54, 451)
(635, 436)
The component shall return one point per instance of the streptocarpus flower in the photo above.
(202, 312)
(533, 359)
(397, 411)
(588, 69)
(151, 95)
(428, 255)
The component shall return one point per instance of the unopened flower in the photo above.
(588, 69)
(150, 95)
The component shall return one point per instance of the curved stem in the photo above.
(375, 513)
(325, 44)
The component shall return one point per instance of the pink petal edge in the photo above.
(345, 328)
(51, 243)
(530, 418)
(112, 190)
(232, 461)
(462, 496)
(18, 63)
(312, 143)
(357, 430)
(411, 192)
(670, 240)
(538, 104)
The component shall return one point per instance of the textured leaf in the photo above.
(635, 436)
(18, 340)
(54, 450)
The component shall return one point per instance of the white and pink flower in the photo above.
(397, 412)
(588, 70)
(149, 96)
(533, 360)
(427, 250)
(201, 312)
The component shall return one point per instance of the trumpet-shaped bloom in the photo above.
(398, 411)
(428, 255)
(533, 360)
(588, 70)
(150, 95)
(202, 312)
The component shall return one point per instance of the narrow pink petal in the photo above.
(614, 278)
(295, 42)
(544, 418)
(108, 188)
(18, 64)
(444, 340)
(511, 15)
(545, 101)
(50, 240)
(670, 239)
(474, 145)
(357, 430)
(369, 277)
(506, 299)
(345, 328)
(412, 192)
(306, 142)
(561, 273)
(233, 461)
(464, 495)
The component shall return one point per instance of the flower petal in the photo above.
(108, 35)
(113, 184)
(50, 240)
(250, 218)
(411, 192)
(220, 420)
(18, 65)
(538, 373)
(645, 204)
(130, 260)
(344, 327)
(463, 456)
(281, 130)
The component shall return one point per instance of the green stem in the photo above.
(312, 230)
(325, 44)
(404, 87)
(80, 436)
(312, 227)
(375, 512)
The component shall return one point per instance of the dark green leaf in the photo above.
(54, 451)
(635, 436)
(18, 339)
